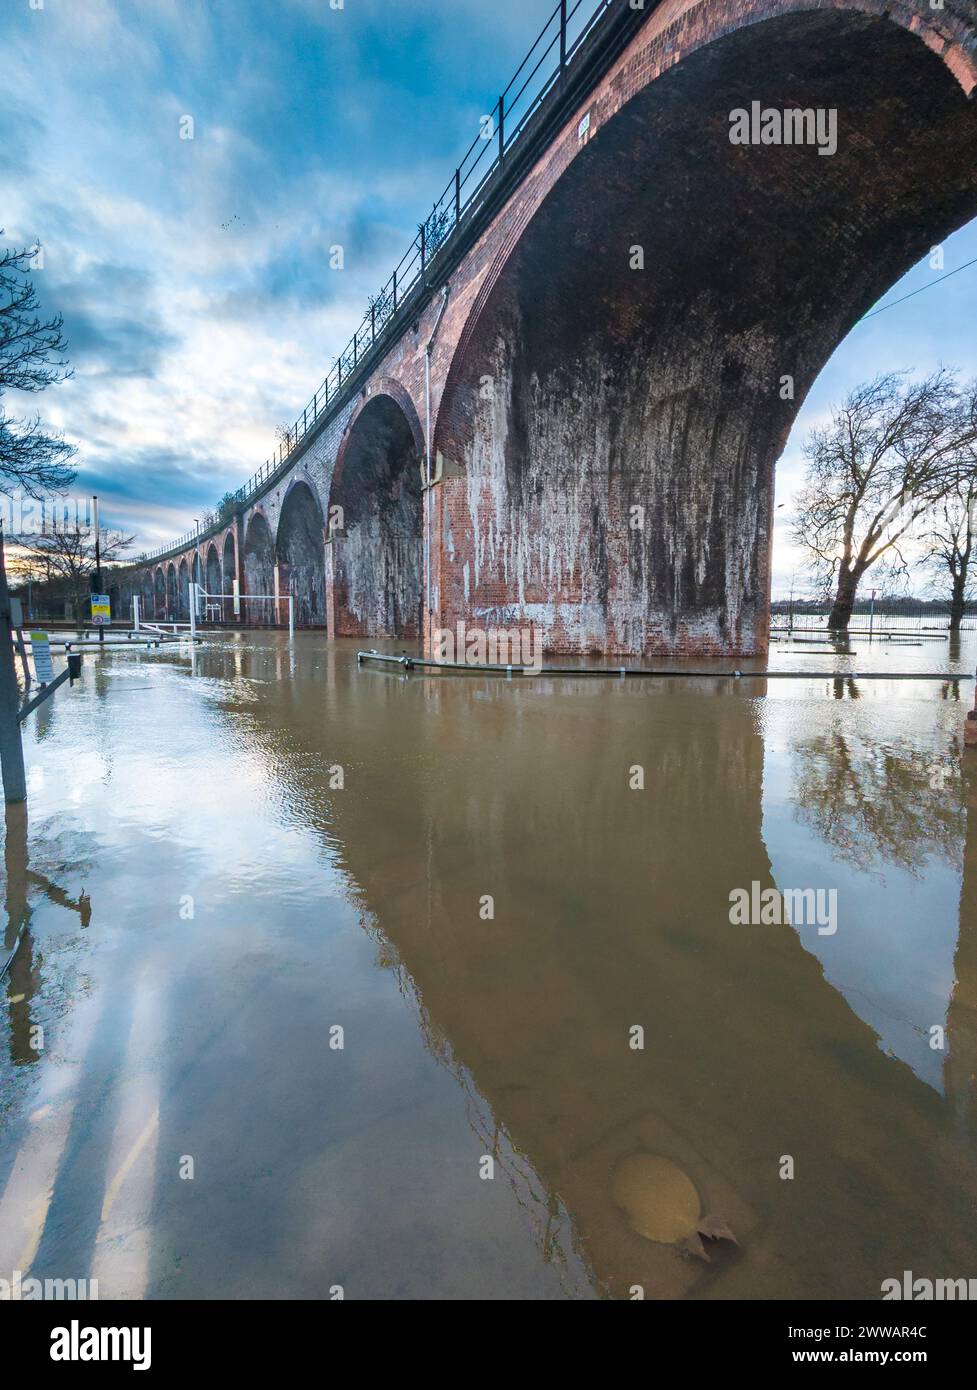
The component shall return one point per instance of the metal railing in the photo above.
(542, 72)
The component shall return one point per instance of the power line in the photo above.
(930, 286)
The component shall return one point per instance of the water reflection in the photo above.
(877, 804)
(19, 966)
(318, 903)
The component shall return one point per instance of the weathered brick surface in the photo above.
(568, 389)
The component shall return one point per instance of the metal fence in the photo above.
(542, 72)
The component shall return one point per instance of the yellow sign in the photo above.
(101, 609)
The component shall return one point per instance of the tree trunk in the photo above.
(957, 601)
(841, 612)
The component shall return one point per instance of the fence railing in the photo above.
(542, 72)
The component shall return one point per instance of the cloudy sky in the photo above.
(194, 275)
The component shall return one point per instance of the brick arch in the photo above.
(375, 561)
(228, 561)
(171, 594)
(300, 476)
(657, 390)
(258, 567)
(382, 386)
(183, 590)
(159, 592)
(300, 552)
(950, 36)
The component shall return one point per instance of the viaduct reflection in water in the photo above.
(610, 911)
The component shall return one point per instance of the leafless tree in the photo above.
(32, 459)
(950, 537)
(64, 558)
(889, 454)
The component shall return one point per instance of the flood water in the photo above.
(232, 855)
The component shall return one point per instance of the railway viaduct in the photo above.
(566, 414)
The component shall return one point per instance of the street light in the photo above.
(98, 563)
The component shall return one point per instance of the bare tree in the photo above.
(64, 558)
(888, 455)
(949, 539)
(31, 359)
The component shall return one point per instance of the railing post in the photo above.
(423, 250)
(501, 130)
(457, 196)
(11, 744)
(355, 359)
(563, 43)
(395, 291)
(373, 324)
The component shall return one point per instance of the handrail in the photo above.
(571, 25)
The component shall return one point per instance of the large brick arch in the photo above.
(183, 591)
(401, 396)
(258, 569)
(616, 430)
(375, 561)
(300, 549)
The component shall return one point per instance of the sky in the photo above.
(193, 275)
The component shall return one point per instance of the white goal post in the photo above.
(199, 597)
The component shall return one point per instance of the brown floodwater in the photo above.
(338, 978)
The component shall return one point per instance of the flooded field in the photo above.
(333, 978)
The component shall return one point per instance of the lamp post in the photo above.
(98, 549)
(98, 563)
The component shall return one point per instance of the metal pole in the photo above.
(563, 41)
(23, 659)
(11, 747)
(135, 612)
(193, 609)
(291, 617)
(98, 565)
(98, 550)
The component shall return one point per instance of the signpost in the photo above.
(41, 652)
(101, 610)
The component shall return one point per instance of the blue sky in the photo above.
(193, 274)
